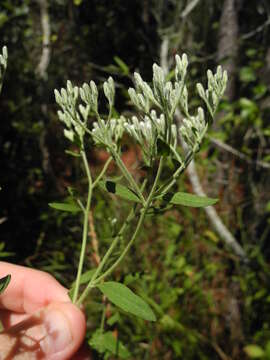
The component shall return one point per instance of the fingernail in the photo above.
(58, 331)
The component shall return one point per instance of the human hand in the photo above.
(39, 320)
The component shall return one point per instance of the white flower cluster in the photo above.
(193, 129)
(89, 95)
(147, 131)
(76, 120)
(108, 133)
(165, 95)
(216, 87)
(109, 91)
(3, 64)
(67, 99)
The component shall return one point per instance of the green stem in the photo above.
(165, 188)
(138, 227)
(85, 227)
(168, 121)
(131, 215)
(127, 175)
(129, 218)
(80, 205)
(102, 172)
(110, 270)
(178, 157)
(103, 317)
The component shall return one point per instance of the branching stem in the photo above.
(85, 226)
(127, 175)
(95, 279)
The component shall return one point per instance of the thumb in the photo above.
(53, 333)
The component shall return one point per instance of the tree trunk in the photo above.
(228, 44)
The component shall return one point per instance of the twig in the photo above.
(214, 218)
(41, 71)
(93, 237)
(46, 33)
(164, 49)
(94, 240)
(189, 8)
(256, 31)
(237, 153)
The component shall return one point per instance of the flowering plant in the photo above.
(154, 130)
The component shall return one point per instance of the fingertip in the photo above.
(76, 320)
(66, 328)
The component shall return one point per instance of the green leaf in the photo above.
(114, 319)
(124, 298)
(163, 148)
(247, 74)
(4, 283)
(122, 65)
(107, 342)
(69, 207)
(119, 190)
(267, 208)
(267, 350)
(85, 278)
(186, 199)
(254, 351)
(259, 91)
(77, 2)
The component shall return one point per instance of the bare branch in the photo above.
(94, 240)
(46, 33)
(190, 6)
(239, 154)
(256, 31)
(213, 216)
(164, 49)
(228, 43)
(41, 72)
(211, 212)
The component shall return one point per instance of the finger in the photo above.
(29, 289)
(9, 318)
(53, 333)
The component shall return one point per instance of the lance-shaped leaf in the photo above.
(4, 283)
(119, 190)
(125, 299)
(69, 207)
(122, 65)
(191, 200)
(254, 351)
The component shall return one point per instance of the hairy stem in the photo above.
(129, 218)
(85, 226)
(127, 175)
(103, 171)
(138, 227)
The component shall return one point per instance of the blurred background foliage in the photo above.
(210, 304)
